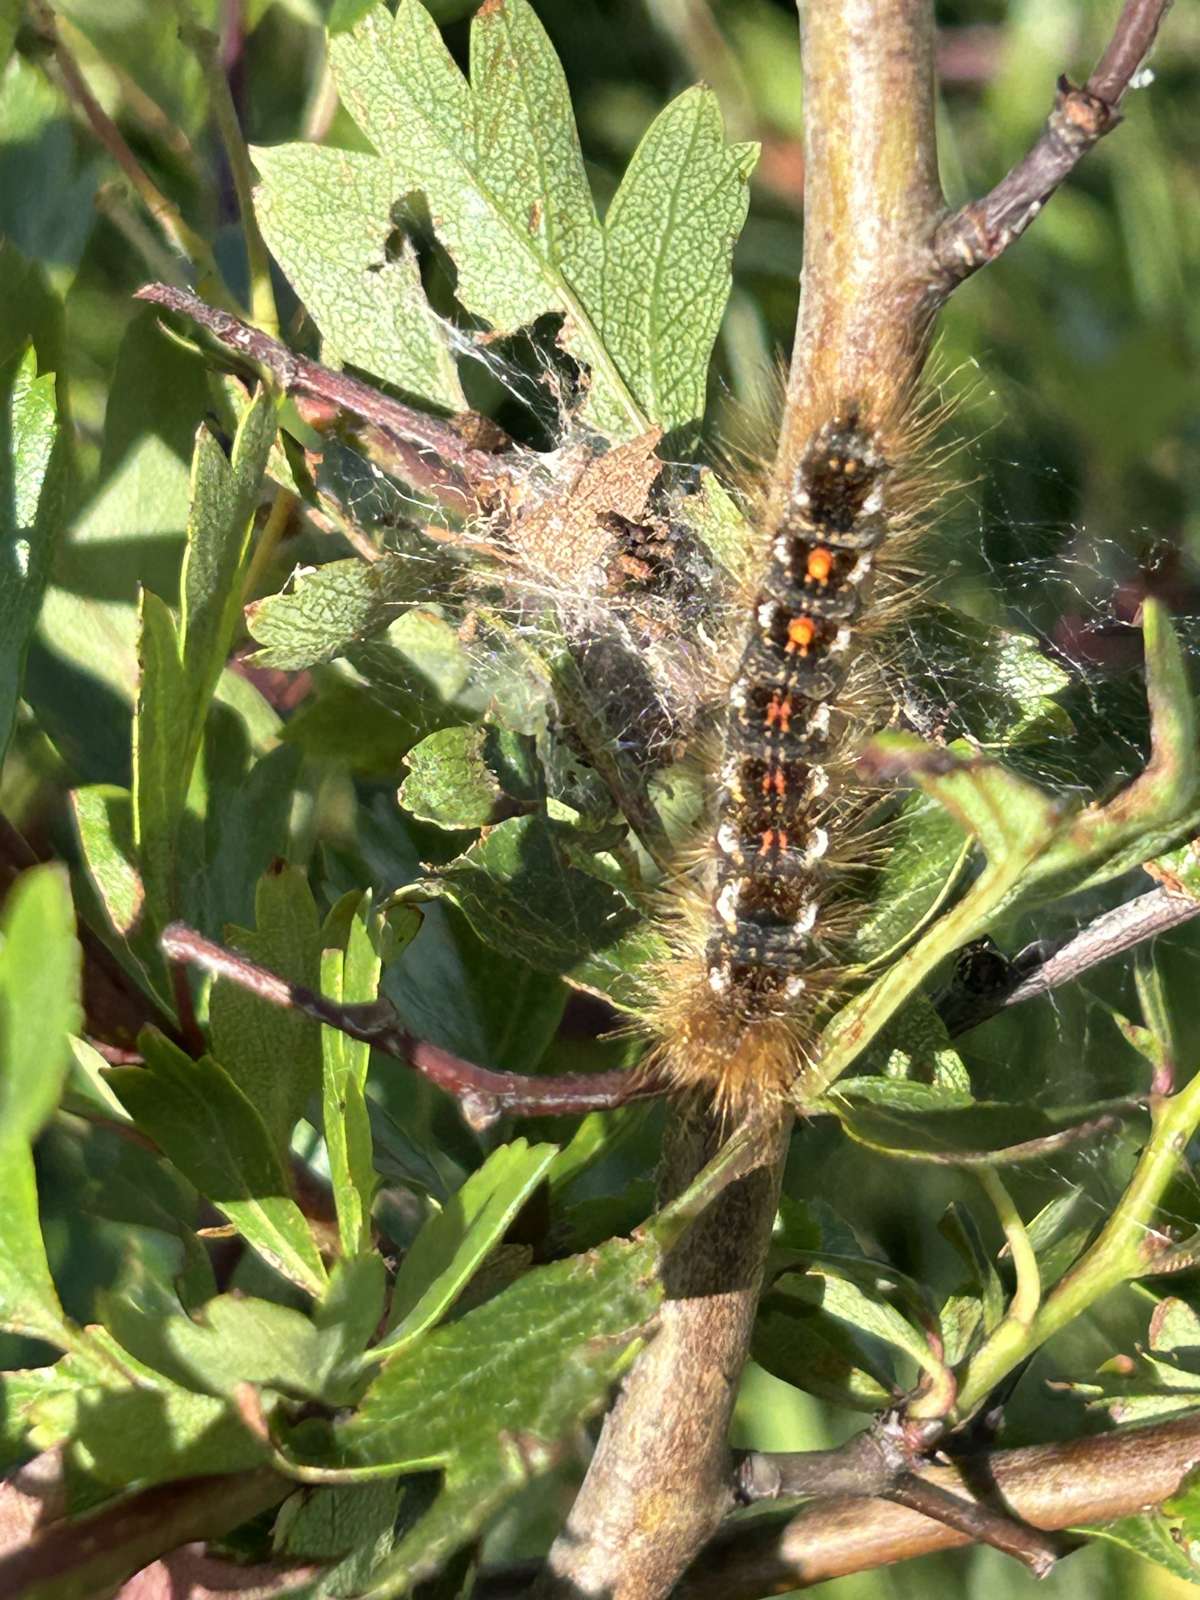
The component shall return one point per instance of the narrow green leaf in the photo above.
(224, 497)
(104, 819)
(213, 1133)
(926, 1122)
(40, 1008)
(453, 1244)
(274, 1056)
(159, 762)
(31, 509)
(350, 968)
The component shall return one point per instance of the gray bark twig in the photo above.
(983, 229)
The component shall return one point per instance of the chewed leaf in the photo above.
(330, 609)
(468, 777)
(498, 165)
(315, 205)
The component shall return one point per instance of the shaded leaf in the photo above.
(200, 1118)
(274, 1056)
(521, 897)
(452, 1245)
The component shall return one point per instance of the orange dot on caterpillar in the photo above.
(800, 632)
(779, 710)
(819, 565)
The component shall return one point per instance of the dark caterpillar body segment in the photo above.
(770, 844)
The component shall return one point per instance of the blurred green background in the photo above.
(1074, 360)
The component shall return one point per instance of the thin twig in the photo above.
(483, 1094)
(884, 1462)
(1036, 972)
(430, 453)
(1047, 1487)
(983, 229)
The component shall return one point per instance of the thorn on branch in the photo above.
(483, 1094)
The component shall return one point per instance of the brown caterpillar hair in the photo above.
(755, 965)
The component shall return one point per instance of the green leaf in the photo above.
(128, 1434)
(928, 1122)
(315, 205)
(498, 164)
(1014, 822)
(179, 667)
(1171, 1542)
(32, 485)
(104, 818)
(273, 1055)
(851, 1292)
(224, 498)
(237, 1339)
(522, 897)
(350, 967)
(799, 1342)
(214, 1134)
(452, 1245)
(40, 1008)
(468, 777)
(329, 608)
(488, 1399)
(668, 238)
(159, 773)
(82, 677)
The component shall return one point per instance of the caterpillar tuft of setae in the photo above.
(758, 930)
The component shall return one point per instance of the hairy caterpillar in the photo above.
(756, 946)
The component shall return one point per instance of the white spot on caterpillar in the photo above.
(817, 845)
(818, 782)
(766, 613)
(794, 986)
(727, 841)
(727, 904)
(874, 501)
(782, 548)
(718, 979)
(819, 721)
(841, 641)
(807, 920)
(859, 570)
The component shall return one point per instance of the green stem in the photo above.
(1027, 1295)
(204, 43)
(1117, 1255)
